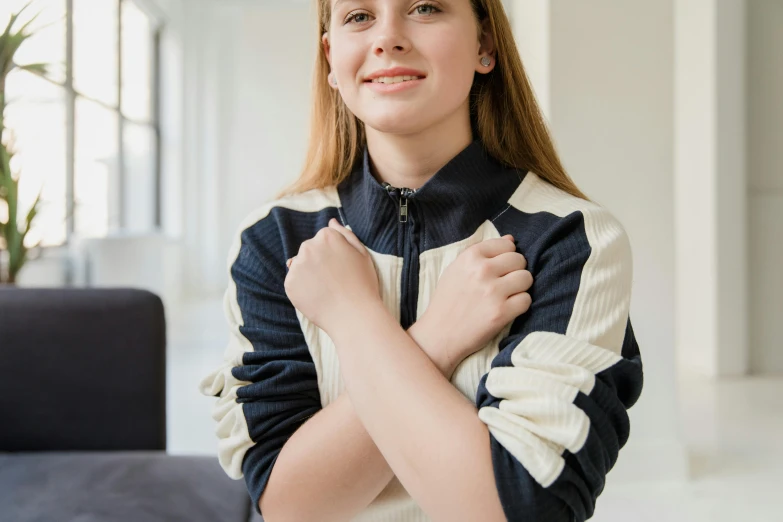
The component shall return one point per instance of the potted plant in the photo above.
(15, 225)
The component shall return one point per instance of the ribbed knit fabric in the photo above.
(553, 386)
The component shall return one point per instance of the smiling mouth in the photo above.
(394, 79)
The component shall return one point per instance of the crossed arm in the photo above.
(400, 409)
(399, 416)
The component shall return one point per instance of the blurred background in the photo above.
(160, 124)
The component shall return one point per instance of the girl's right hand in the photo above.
(479, 293)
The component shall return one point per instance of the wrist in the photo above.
(422, 336)
(345, 316)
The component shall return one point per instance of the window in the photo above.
(87, 134)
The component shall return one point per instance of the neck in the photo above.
(410, 160)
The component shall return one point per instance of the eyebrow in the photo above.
(337, 4)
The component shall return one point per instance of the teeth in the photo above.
(395, 79)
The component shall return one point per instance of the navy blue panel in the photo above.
(522, 498)
(410, 246)
(467, 191)
(471, 188)
(556, 249)
(283, 390)
(284, 230)
(630, 348)
(559, 243)
(369, 209)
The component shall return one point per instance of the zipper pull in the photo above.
(404, 193)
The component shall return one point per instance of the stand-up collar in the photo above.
(471, 188)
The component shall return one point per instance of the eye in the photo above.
(353, 16)
(429, 9)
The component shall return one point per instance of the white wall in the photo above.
(611, 101)
(710, 201)
(765, 182)
(269, 110)
(247, 89)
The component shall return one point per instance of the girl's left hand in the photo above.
(331, 276)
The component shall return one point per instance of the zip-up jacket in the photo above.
(553, 387)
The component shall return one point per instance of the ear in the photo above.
(327, 48)
(486, 47)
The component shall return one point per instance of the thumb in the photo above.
(349, 235)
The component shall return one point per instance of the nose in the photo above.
(391, 38)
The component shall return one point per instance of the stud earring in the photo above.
(333, 80)
(485, 61)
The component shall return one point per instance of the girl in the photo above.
(433, 322)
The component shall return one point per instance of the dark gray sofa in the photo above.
(83, 415)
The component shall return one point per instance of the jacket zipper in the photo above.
(404, 194)
(410, 254)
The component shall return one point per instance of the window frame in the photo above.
(71, 95)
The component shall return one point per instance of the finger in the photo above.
(516, 282)
(494, 247)
(518, 304)
(288, 263)
(350, 236)
(507, 262)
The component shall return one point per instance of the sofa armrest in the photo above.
(82, 369)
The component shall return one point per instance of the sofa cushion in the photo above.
(82, 370)
(119, 487)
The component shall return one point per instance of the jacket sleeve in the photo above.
(556, 394)
(267, 385)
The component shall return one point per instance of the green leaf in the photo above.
(11, 41)
(16, 251)
(14, 17)
(6, 180)
(5, 166)
(35, 68)
(30, 21)
(31, 214)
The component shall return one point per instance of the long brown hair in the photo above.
(503, 112)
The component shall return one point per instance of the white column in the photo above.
(710, 181)
(765, 183)
(531, 26)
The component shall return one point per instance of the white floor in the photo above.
(733, 429)
(734, 432)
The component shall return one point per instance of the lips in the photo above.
(394, 72)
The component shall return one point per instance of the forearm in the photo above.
(427, 341)
(330, 469)
(428, 432)
(336, 465)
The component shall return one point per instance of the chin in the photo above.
(397, 122)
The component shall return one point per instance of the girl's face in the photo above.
(436, 40)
